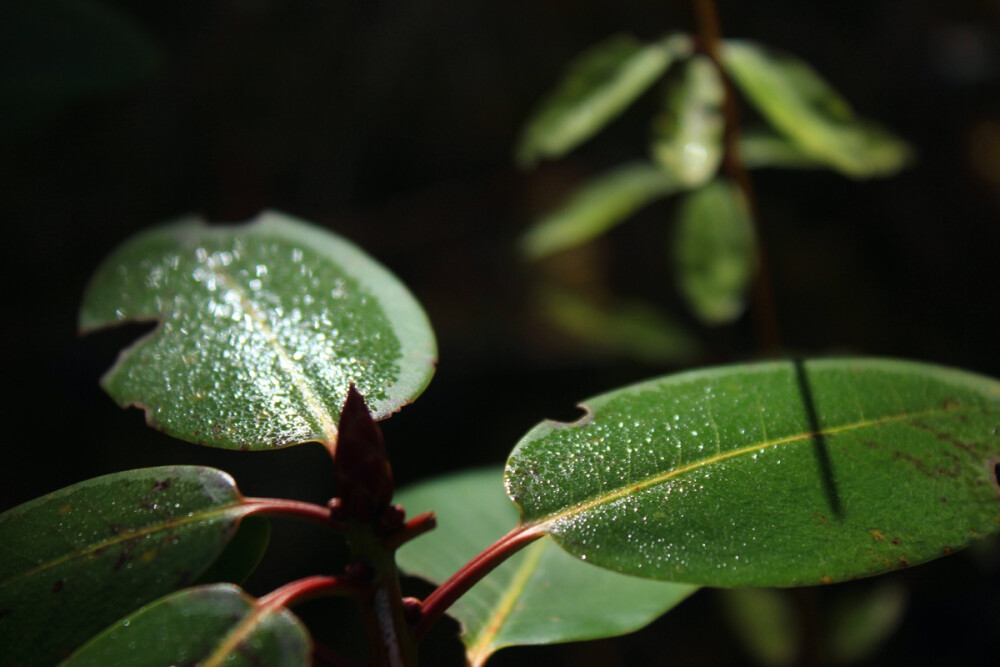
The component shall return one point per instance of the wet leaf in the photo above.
(631, 328)
(770, 474)
(541, 595)
(688, 134)
(803, 107)
(765, 621)
(262, 328)
(208, 625)
(596, 207)
(714, 252)
(77, 559)
(597, 87)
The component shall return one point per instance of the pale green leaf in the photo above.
(859, 623)
(688, 135)
(714, 252)
(208, 626)
(597, 87)
(262, 328)
(541, 595)
(765, 621)
(803, 107)
(597, 206)
(770, 474)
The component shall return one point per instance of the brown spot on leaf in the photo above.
(120, 561)
(162, 485)
(947, 551)
(995, 477)
(895, 541)
(903, 562)
(950, 404)
(58, 586)
(877, 535)
(825, 580)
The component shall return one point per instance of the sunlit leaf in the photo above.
(624, 327)
(803, 107)
(859, 623)
(209, 626)
(688, 134)
(596, 207)
(764, 148)
(714, 252)
(95, 551)
(765, 621)
(770, 474)
(262, 328)
(541, 595)
(597, 87)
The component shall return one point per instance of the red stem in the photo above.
(309, 588)
(415, 527)
(290, 508)
(471, 573)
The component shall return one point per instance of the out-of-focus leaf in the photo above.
(859, 624)
(209, 626)
(624, 327)
(688, 134)
(764, 620)
(764, 148)
(262, 328)
(714, 252)
(770, 474)
(597, 206)
(54, 51)
(803, 107)
(597, 87)
(242, 555)
(75, 560)
(539, 596)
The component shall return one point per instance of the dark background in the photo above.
(393, 123)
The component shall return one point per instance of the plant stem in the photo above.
(290, 508)
(309, 588)
(471, 573)
(766, 314)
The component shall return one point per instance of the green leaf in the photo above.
(770, 474)
(803, 107)
(242, 555)
(627, 327)
(765, 621)
(714, 252)
(541, 595)
(597, 87)
(262, 328)
(763, 148)
(688, 135)
(94, 551)
(209, 626)
(596, 207)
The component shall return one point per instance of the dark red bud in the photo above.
(362, 469)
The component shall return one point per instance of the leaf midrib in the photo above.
(124, 537)
(549, 520)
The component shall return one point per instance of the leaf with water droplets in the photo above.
(209, 626)
(715, 255)
(597, 87)
(807, 110)
(262, 328)
(541, 595)
(770, 474)
(75, 560)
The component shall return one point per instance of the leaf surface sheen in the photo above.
(95, 551)
(541, 595)
(209, 626)
(262, 328)
(770, 474)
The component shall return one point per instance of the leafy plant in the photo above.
(780, 473)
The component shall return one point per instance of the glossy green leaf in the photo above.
(541, 595)
(714, 252)
(596, 207)
(770, 474)
(688, 134)
(242, 555)
(208, 626)
(597, 87)
(630, 328)
(765, 621)
(803, 107)
(95, 551)
(262, 328)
